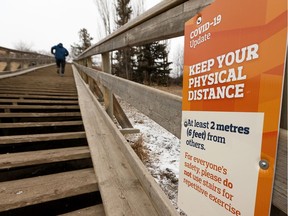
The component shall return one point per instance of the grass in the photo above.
(139, 149)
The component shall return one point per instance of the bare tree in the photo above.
(44, 52)
(23, 46)
(106, 12)
(137, 7)
(178, 57)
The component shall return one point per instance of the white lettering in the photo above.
(247, 53)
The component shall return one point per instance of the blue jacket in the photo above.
(59, 51)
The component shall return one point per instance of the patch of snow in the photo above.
(163, 150)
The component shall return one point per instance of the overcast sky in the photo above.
(43, 23)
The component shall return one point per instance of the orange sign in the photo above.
(233, 76)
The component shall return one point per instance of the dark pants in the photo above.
(61, 63)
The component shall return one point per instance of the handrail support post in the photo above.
(108, 97)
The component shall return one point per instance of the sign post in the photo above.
(234, 62)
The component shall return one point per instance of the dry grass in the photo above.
(173, 89)
(139, 149)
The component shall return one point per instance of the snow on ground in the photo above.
(163, 150)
